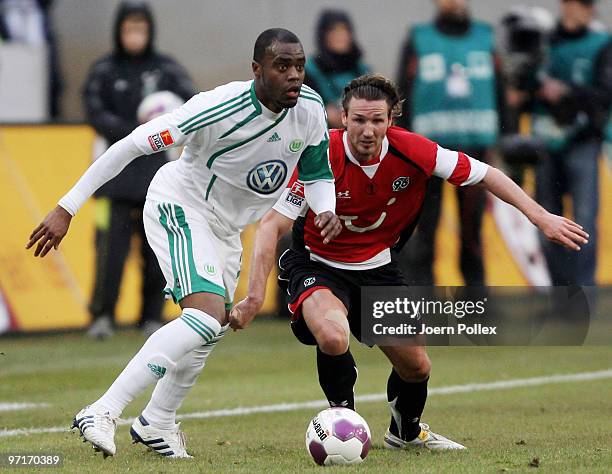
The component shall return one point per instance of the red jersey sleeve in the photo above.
(454, 166)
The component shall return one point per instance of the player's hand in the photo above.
(50, 231)
(562, 231)
(243, 313)
(330, 225)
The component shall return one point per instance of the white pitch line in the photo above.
(375, 397)
(21, 406)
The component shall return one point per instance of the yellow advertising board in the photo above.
(39, 164)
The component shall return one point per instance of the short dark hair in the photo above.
(372, 87)
(265, 40)
(587, 3)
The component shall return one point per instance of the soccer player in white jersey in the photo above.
(242, 141)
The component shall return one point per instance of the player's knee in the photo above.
(415, 370)
(333, 343)
(209, 303)
(333, 338)
(422, 371)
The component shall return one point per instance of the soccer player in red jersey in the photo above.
(381, 173)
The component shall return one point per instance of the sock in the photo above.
(170, 391)
(406, 402)
(159, 355)
(337, 377)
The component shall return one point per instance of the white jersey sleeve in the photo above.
(176, 128)
(167, 131)
(321, 196)
(292, 203)
(105, 168)
(458, 168)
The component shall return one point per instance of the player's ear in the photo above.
(344, 118)
(256, 69)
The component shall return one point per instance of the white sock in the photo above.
(158, 357)
(170, 391)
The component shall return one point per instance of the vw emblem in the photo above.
(267, 177)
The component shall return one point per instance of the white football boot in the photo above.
(170, 443)
(426, 439)
(97, 428)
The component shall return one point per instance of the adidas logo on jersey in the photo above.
(274, 138)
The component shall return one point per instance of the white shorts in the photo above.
(191, 256)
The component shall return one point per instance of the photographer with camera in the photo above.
(526, 31)
(569, 116)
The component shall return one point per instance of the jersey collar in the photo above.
(383, 150)
(260, 108)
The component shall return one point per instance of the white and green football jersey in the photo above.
(238, 155)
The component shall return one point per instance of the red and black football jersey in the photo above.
(379, 205)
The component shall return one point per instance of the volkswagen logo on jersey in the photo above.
(267, 177)
(400, 183)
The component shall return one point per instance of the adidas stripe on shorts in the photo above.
(191, 256)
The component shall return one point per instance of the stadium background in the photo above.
(517, 409)
(214, 38)
(215, 43)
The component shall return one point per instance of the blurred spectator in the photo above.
(570, 117)
(336, 62)
(608, 143)
(449, 79)
(116, 85)
(4, 31)
(525, 31)
(29, 22)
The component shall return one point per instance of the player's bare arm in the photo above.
(557, 229)
(272, 227)
(54, 227)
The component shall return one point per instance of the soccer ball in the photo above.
(156, 104)
(338, 436)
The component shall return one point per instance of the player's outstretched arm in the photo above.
(160, 133)
(52, 230)
(271, 228)
(557, 229)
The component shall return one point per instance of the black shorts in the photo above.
(299, 277)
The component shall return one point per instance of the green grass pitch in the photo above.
(566, 427)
